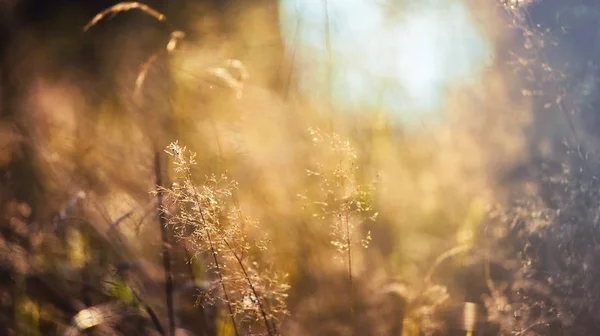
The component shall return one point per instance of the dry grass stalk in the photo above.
(343, 200)
(124, 7)
(141, 77)
(176, 37)
(250, 292)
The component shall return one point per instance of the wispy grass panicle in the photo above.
(253, 293)
(124, 7)
(345, 199)
(342, 198)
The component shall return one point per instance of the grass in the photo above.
(218, 228)
(268, 225)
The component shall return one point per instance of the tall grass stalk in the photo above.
(342, 200)
(177, 152)
(218, 230)
(166, 254)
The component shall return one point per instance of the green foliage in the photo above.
(121, 291)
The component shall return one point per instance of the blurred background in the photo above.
(465, 132)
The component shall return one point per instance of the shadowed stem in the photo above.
(350, 279)
(220, 275)
(188, 257)
(150, 312)
(166, 250)
(213, 253)
(270, 330)
(348, 240)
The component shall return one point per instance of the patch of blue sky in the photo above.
(402, 65)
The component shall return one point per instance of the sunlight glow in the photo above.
(402, 62)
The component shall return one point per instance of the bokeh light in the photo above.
(403, 61)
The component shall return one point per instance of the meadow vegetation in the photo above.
(198, 193)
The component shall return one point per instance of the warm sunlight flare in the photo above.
(402, 59)
(299, 167)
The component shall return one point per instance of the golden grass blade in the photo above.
(232, 74)
(176, 37)
(124, 7)
(139, 81)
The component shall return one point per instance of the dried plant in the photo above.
(123, 7)
(251, 291)
(231, 74)
(342, 200)
(551, 284)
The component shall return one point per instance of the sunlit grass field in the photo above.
(305, 168)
